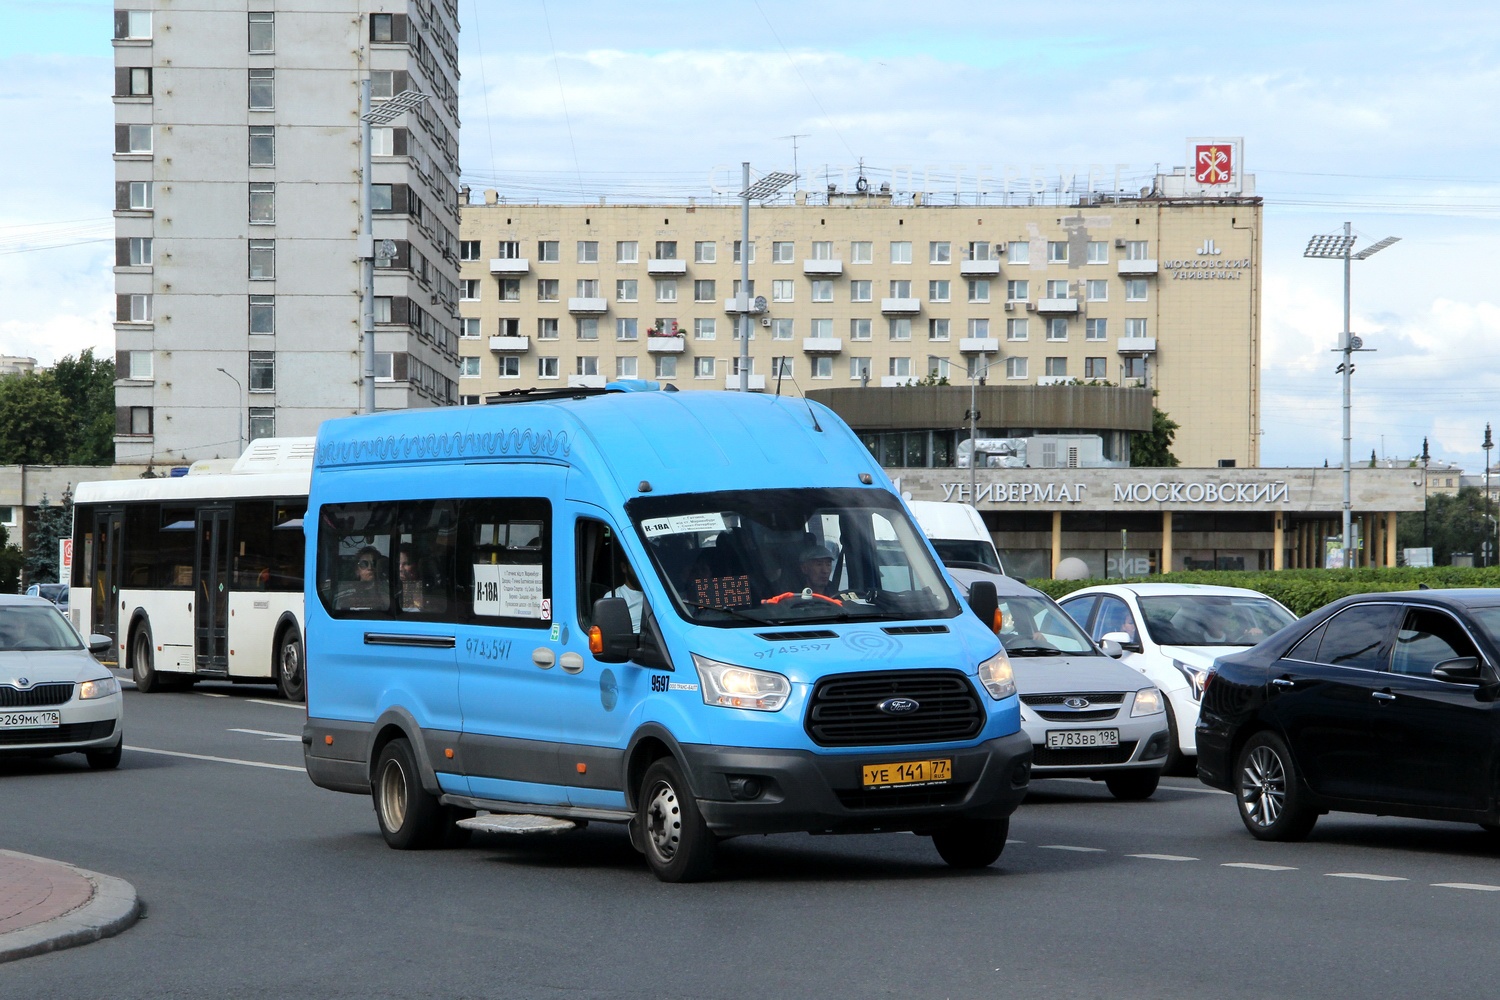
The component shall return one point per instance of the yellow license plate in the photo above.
(908, 772)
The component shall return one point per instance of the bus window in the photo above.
(174, 548)
(426, 535)
(503, 567)
(354, 565)
(604, 571)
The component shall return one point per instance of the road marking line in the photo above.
(1367, 877)
(1161, 857)
(1010, 840)
(211, 694)
(281, 737)
(1066, 847)
(1259, 868)
(276, 704)
(217, 760)
(1477, 886)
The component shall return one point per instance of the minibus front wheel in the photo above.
(678, 844)
(410, 818)
(972, 843)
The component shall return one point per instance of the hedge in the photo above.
(1306, 590)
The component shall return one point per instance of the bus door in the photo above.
(211, 591)
(106, 556)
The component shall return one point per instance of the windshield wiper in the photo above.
(727, 611)
(1033, 651)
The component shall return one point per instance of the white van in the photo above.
(958, 534)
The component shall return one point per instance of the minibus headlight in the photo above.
(102, 688)
(997, 676)
(730, 686)
(1147, 702)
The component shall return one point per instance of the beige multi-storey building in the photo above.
(871, 290)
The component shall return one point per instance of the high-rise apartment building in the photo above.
(239, 206)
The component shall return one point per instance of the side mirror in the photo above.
(612, 638)
(1123, 640)
(984, 602)
(100, 644)
(1111, 647)
(1462, 669)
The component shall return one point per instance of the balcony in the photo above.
(822, 268)
(979, 268)
(1136, 345)
(979, 345)
(510, 345)
(900, 307)
(1057, 306)
(666, 268)
(665, 345)
(757, 382)
(588, 306)
(734, 308)
(822, 345)
(585, 381)
(1137, 268)
(509, 266)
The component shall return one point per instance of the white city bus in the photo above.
(198, 576)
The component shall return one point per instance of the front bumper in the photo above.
(1143, 744)
(86, 725)
(802, 791)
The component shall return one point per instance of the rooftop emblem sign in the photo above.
(1215, 167)
(1213, 163)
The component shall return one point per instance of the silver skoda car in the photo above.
(1088, 714)
(55, 698)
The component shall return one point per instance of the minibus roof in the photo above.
(678, 442)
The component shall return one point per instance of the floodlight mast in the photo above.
(762, 189)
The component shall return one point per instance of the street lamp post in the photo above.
(1484, 550)
(239, 412)
(387, 112)
(762, 189)
(975, 377)
(1339, 247)
(1426, 457)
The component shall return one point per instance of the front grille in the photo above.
(1115, 698)
(904, 798)
(914, 629)
(42, 694)
(1043, 756)
(1087, 715)
(843, 709)
(796, 636)
(73, 732)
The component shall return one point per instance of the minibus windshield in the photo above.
(744, 558)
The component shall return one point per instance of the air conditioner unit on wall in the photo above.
(1120, 244)
(765, 321)
(1010, 307)
(1031, 307)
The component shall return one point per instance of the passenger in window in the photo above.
(816, 566)
(629, 589)
(413, 593)
(368, 590)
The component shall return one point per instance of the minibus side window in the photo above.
(354, 558)
(426, 541)
(604, 571)
(503, 564)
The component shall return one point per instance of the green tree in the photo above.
(87, 384)
(1455, 522)
(49, 525)
(1153, 449)
(35, 421)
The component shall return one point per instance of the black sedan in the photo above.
(1386, 704)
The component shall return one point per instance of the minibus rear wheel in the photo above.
(410, 818)
(972, 843)
(678, 844)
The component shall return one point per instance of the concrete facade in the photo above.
(238, 167)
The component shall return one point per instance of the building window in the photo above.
(861, 291)
(588, 288)
(1135, 328)
(1137, 250)
(137, 139)
(627, 328)
(822, 366)
(1095, 329)
(382, 84)
(666, 289)
(262, 145)
(138, 309)
(1057, 328)
(736, 253)
(546, 251)
(979, 290)
(860, 329)
(859, 368)
(666, 249)
(262, 31)
(262, 423)
(1018, 252)
(140, 251)
(781, 367)
(510, 366)
(666, 366)
(750, 292)
(737, 365)
(385, 366)
(900, 252)
(468, 289)
(940, 253)
(783, 252)
(822, 250)
(625, 367)
(382, 197)
(262, 90)
(1136, 368)
(1017, 291)
(705, 252)
(508, 250)
(703, 290)
(469, 250)
(1016, 329)
(979, 250)
(861, 252)
(703, 368)
(588, 251)
(262, 314)
(975, 367)
(782, 329)
(1095, 368)
(140, 420)
(1096, 290)
(822, 328)
(137, 81)
(262, 260)
(468, 367)
(510, 289)
(937, 368)
(509, 327)
(588, 328)
(1057, 252)
(940, 291)
(979, 328)
(1135, 289)
(626, 252)
(901, 328)
(1057, 290)
(937, 329)
(470, 328)
(1098, 252)
(625, 290)
(901, 289)
(381, 309)
(899, 367)
(141, 366)
(822, 291)
(1015, 367)
(704, 329)
(134, 24)
(468, 400)
(783, 290)
(383, 141)
(546, 329)
(547, 289)
(140, 196)
(1057, 367)
(382, 28)
(262, 371)
(547, 368)
(262, 204)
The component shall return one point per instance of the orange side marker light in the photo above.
(328, 739)
(596, 639)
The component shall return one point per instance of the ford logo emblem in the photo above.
(1077, 703)
(898, 706)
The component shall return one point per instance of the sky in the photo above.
(1377, 113)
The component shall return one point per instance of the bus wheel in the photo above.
(141, 668)
(679, 846)
(410, 819)
(291, 680)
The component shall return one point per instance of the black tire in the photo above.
(677, 843)
(290, 666)
(105, 760)
(1272, 804)
(142, 659)
(1133, 786)
(410, 818)
(972, 843)
(455, 836)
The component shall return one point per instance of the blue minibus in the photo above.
(701, 614)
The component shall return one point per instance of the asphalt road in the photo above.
(258, 884)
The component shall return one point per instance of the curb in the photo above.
(111, 908)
